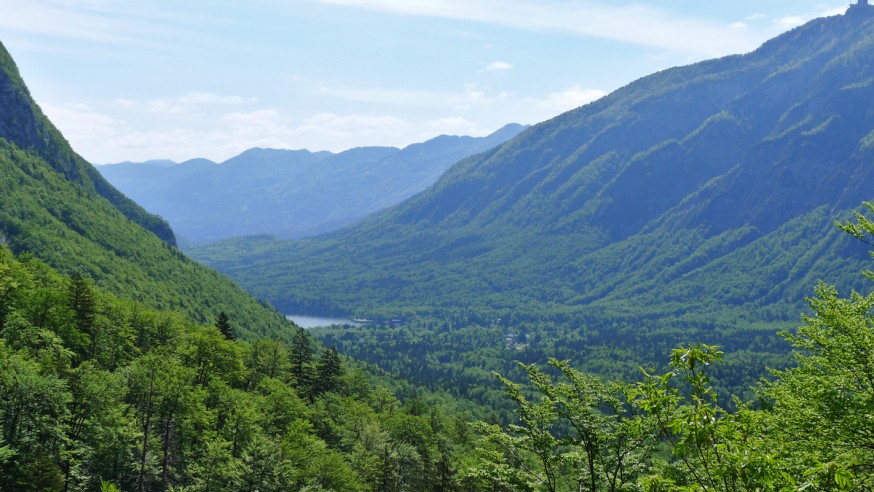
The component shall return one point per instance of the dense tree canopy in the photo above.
(101, 392)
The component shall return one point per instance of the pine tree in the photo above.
(82, 303)
(301, 361)
(223, 323)
(328, 372)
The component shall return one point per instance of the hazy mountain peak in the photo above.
(292, 193)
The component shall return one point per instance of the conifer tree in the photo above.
(301, 361)
(328, 372)
(223, 323)
(82, 303)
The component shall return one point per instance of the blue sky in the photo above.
(138, 80)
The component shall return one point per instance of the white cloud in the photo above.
(86, 129)
(338, 132)
(259, 126)
(738, 25)
(217, 140)
(831, 11)
(792, 21)
(789, 22)
(168, 133)
(499, 65)
(383, 96)
(126, 104)
(188, 102)
(571, 98)
(469, 96)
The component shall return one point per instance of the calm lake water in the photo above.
(315, 321)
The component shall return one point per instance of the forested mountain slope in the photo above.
(289, 193)
(697, 200)
(56, 206)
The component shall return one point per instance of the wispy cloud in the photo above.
(344, 126)
(66, 20)
(469, 95)
(386, 96)
(217, 134)
(469, 98)
(792, 21)
(81, 124)
(789, 22)
(633, 23)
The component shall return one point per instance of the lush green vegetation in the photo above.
(693, 204)
(120, 365)
(43, 212)
(99, 392)
(56, 206)
(96, 391)
(807, 428)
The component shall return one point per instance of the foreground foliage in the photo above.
(97, 392)
(809, 428)
(101, 392)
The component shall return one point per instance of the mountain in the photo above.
(695, 204)
(57, 207)
(289, 193)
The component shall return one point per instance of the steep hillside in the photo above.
(56, 206)
(23, 123)
(289, 193)
(694, 202)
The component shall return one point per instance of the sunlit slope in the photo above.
(57, 207)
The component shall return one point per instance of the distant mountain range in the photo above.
(289, 193)
(697, 202)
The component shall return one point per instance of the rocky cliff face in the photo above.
(23, 124)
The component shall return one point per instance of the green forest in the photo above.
(694, 204)
(559, 313)
(101, 393)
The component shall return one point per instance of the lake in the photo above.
(316, 321)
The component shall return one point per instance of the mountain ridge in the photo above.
(734, 147)
(290, 193)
